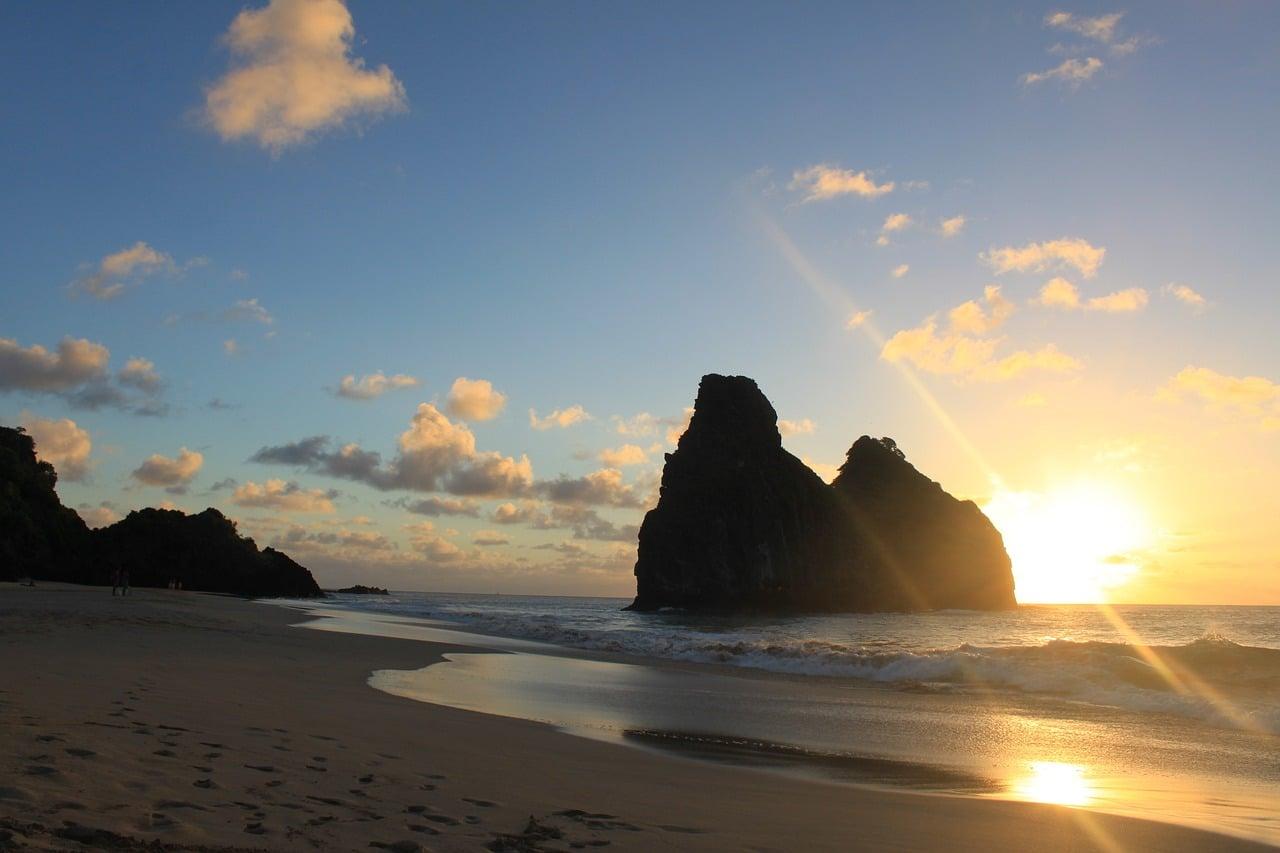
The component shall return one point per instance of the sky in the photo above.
(421, 293)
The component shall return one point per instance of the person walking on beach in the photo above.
(115, 582)
(124, 581)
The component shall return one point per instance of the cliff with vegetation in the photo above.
(42, 539)
(741, 524)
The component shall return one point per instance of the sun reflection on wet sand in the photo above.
(1055, 782)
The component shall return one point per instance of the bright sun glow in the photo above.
(1070, 545)
(1054, 782)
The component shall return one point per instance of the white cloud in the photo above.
(289, 497)
(140, 373)
(292, 76)
(822, 182)
(1102, 28)
(561, 418)
(958, 351)
(248, 310)
(1072, 72)
(857, 319)
(1038, 257)
(432, 545)
(1186, 294)
(474, 400)
(174, 473)
(1060, 293)
(119, 269)
(35, 368)
(374, 385)
(644, 424)
(1252, 397)
(896, 222)
(804, 426)
(102, 515)
(822, 469)
(620, 457)
(900, 270)
(953, 226)
(62, 443)
(435, 506)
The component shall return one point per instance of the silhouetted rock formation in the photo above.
(743, 524)
(41, 538)
(361, 589)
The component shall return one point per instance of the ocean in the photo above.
(1165, 712)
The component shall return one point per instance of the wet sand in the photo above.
(181, 721)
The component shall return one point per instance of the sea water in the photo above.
(1164, 712)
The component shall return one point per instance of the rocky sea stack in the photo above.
(42, 539)
(741, 524)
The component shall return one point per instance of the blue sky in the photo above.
(583, 204)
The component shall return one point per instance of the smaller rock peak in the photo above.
(732, 409)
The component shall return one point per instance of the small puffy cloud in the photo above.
(474, 399)
(141, 374)
(1038, 257)
(102, 515)
(62, 443)
(900, 270)
(489, 538)
(432, 545)
(972, 318)
(1252, 397)
(247, 310)
(599, 488)
(118, 270)
(510, 513)
(953, 226)
(293, 75)
(436, 507)
(823, 470)
(289, 497)
(1060, 293)
(34, 368)
(231, 347)
(961, 352)
(1071, 72)
(172, 473)
(895, 222)
(627, 454)
(804, 426)
(374, 385)
(1186, 295)
(644, 424)
(821, 182)
(677, 427)
(857, 319)
(1101, 28)
(559, 418)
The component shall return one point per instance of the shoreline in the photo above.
(200, 722)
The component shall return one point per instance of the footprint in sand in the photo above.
(484, 804)
(366, 779)
(255, 828)
(48, 738)
(205, 783)
(423, 828)
(165, 753)
(275, 783)
(80, 753)
(317, 768)
(262, 768)
(201, 768)
(209, 756)
(212, 745)
(405, 846)
(41, 770)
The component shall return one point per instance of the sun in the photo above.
(1072, 544)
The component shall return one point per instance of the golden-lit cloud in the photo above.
(559, 418)
(1071, 72)
(432, 545)
(488, 538)
(804, 426)
(599, 488)
(474, 400)
(960, 351)
(900, 270)
(953, 226)
(288, 497)
(1254, 398)
(1060, 293)
(857, 319)
(62, 443)
(1038, 257)
(896, 222)
(1186, 294)
(974, 319)
(822, 181)
(293, 75)
(373, 385)
(621, 457)
(102, 515)
(1101, 28)
(140, 373)
(231, 347)
(174, 473)
(34, 368)
(119, 269)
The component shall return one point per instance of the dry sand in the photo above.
(179, 721)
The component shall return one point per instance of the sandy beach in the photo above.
(181, 721)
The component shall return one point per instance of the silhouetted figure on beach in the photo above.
(115, 582)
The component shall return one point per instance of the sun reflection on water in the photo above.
(1054, 782)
